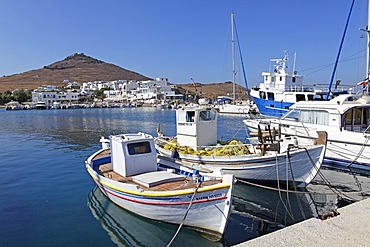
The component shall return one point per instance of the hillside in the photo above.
(77, 67)
(213, 90)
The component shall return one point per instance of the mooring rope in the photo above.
(186, 213)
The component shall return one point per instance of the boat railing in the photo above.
(319, 88)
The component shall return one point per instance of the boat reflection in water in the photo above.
(128, 229)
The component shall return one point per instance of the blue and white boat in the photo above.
(282, 88)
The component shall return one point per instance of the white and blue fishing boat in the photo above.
(281, 88)
(126, 172)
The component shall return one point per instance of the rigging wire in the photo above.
(340, 49)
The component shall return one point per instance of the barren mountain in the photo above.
(77, 67)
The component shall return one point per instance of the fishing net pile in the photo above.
(233, 148)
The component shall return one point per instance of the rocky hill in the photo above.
(77, 67)
(212, 90)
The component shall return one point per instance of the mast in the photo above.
(368, 44)
(233, 52)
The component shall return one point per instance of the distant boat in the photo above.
(231, 105)
(41, 105)
(281, 88)
(13, 106)
(126, 172)
(265, 162)
(226, 104)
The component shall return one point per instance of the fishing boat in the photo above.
(281, 88)
(267, 161)
(346, 119)
(126, 171)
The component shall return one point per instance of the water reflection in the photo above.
(80, 128)
(128, 229)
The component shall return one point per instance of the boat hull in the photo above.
(209, 207)
(270, 107)
(298, 166)
(344, 148)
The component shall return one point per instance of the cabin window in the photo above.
(262, 94)
(293, 79)
(207, 115)
(314, 117)
(356, 119)
(300, 97)
(190, 115)
(293, 114)
(272, 79)
(281, 78)
(270, 96)
(310, 97)
(139, 148)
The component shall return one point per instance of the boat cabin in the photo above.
(133, 154)
(345, 112)
(196, 127)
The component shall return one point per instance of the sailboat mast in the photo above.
(368, 43)
(233, 52)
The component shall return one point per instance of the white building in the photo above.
(50, 94)
(49, 97)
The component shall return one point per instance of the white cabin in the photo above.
(133, 154)
(196, 127)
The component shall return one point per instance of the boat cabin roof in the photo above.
(339, 104)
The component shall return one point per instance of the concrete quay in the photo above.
(350, 228)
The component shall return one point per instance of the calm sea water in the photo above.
(48, 198)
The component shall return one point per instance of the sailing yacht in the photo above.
(232, 106)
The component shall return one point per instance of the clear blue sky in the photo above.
(182, 39)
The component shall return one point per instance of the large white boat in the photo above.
(126, 172)
(196, 144)
(345, 118)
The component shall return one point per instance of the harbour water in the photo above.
(48, 199)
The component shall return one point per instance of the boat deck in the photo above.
(106, 170)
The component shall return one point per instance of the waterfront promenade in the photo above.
(350, 228)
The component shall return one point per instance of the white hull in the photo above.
(234, 109)
(343, 147)
(271, 168)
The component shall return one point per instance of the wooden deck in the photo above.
(107, 171)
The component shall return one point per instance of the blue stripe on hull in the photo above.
(271, 108)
